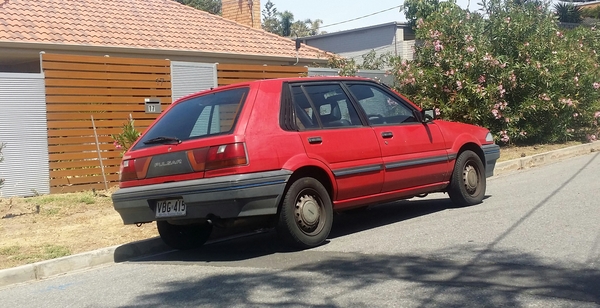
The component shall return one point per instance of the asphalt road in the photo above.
(534, 242)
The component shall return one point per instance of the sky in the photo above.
(336, 11)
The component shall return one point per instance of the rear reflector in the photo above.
(134, 169)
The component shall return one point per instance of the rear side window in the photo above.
(198, 117)
(324, 105)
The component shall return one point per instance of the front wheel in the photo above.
(306, 214)
(467, 185)
(183, 237)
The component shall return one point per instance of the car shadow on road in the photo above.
(254, 244)
(444, 278)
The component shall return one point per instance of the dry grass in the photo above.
(45, 227)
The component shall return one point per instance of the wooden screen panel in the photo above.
(233, 73)
(111, 90)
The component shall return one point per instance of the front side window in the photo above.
(198, 117)
(323, 105)
(381, 108)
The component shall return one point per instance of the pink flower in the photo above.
(117, 145)
(575, 114)
(597, 114)
(468, 38)
(526, 44)
(596, 85)
(523, 133)
(481, 79)
(438, 45)
(559, 34)
(470, 49)
(505, 137)
(458, 85)
(591, 137)
(501, 90)
(437, 111)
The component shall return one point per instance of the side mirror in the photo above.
(427, 115)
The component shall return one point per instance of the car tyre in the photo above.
(306, 214)
(184, 237)
(467, 185)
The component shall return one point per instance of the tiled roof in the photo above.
(157, 24)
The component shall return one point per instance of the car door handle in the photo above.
(315, 140)
(387, 135)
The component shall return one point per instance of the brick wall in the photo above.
(246, 12)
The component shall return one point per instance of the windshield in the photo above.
(206, 115)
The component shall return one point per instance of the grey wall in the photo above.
(23, 128)
(387, 38)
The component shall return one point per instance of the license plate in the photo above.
(170, 208)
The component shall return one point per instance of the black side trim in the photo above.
(416, 162)
(452, 156)
(357, 170)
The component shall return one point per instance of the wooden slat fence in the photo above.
(111, 89)
(233, 73)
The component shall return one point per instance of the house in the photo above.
(395, 38)
(73, 71)
(160, 29)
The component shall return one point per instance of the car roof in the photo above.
(276, 81)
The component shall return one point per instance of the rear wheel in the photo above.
(306, 214)
(467, 185)
(184, 237)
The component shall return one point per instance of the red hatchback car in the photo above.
(291, 152)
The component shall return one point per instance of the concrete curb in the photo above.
(49, 268)
(130, 251)
(545, 158)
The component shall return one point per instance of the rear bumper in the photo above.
(491, 153)
(225, 197)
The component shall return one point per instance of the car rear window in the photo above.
(198, 117)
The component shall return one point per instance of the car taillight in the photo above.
(134, 169)
(226, 155)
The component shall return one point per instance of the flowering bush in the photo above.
(514, 71)
(125, 139)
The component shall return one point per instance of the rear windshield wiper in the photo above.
(163, 140)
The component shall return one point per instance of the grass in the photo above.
(63, 199)
(35, 254)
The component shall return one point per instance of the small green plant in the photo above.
(51, 212)
(87, 199)
(125, 139)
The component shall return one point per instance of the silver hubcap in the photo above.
(308, 213)
(470, 178)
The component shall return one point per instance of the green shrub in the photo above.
(125, 139)
(510, 69)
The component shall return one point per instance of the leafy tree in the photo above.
(415, 9)
(567, 12)
(211, 6)
(283, 24)
(270, 22)
(286, 20)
